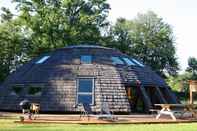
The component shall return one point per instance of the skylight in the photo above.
(138, 63)
(42, 60)
(128, 61)
(117, 60)
(86, 59)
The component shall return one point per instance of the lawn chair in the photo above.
(31, 109)
(106, 114)
(26, 106)
(86, 111)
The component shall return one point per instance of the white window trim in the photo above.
(86, 93)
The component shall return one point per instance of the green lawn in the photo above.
(9, 125)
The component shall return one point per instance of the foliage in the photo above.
(148, 38)
(179, 82)
(121, 36)
(6, 15)
(192, 67)
(13, 44)
(57, 23)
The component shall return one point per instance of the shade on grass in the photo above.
(9, 125)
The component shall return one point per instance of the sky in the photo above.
(180, 14)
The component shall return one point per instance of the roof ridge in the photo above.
(87, 46)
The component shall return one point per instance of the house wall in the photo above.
(60, 94)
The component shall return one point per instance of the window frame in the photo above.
(92, 94)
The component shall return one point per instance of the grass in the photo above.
(9, 125)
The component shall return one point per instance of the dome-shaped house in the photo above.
(69, 76)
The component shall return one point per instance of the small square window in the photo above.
(86, 59)
(34, 90)
(16, 89)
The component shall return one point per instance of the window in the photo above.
(16, 89)
(138, 63)
(117, 60)
(85, 92)
(34, 91)
(86, 59)
(128, 61)
(42, 60)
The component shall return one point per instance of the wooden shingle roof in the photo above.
(64, 64)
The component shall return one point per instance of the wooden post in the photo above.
(190, 94)
(129, 93)
(192, 88)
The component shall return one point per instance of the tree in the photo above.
(180, 81)
(148, 38)
(120, 35)
(192, 63)
(57, 23)
(6, 15)
(12, 43)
